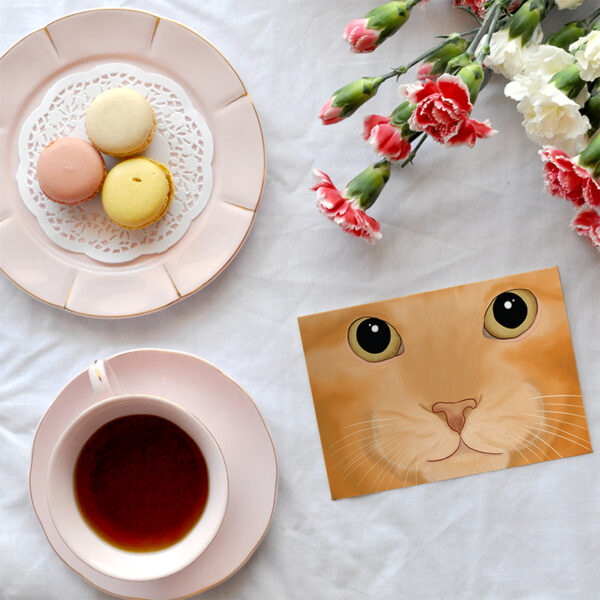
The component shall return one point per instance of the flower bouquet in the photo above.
(554, 78)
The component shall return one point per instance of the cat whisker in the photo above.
(558, 412)
(359, 456)
(560, 421)
(556, 396)
(417, 473)
(359, 431)
(567, 404)
(392, 461)
(399, 418)
(587, 447)
(530, 446)
(572, 435)
(381, 458)
(349, 443)
(530, 431)
(362, 449)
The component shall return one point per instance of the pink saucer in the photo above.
(233, 419)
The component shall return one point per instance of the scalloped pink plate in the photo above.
(235, 422)
(73, 281)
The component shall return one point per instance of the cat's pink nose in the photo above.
(455, 412)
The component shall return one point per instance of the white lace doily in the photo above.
(182, 141)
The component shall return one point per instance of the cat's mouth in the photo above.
(463, 448)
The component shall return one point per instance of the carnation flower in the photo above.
(348, 209)
(587, 55)
(545, 60)
(443, 111)
(506, 55)
(477, 7)
(565, 178)
(386, 138)
(568, 4)
(586, 223)
(550, 116)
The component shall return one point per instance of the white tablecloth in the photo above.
(457, 216)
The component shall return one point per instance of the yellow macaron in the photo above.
(137, 192)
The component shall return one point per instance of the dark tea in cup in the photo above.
(141, 482)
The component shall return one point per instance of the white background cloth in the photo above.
(457, 216)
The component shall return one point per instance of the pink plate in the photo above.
(73, 281)
(233, 419)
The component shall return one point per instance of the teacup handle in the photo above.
(103, 380)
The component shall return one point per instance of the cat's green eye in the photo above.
(374, 340)
(510, 314)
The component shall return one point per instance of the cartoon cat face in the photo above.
(443, 384)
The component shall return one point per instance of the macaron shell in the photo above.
(70, 170)
(120, 122)
(137, 192)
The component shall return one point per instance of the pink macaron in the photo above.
(70, 170)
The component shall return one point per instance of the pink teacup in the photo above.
(73, 529)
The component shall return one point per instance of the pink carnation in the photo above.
(443, 111)
(386, 139)
(478, 6)
(587, 224)
(360, 37)
(346, 213)
(569, 180)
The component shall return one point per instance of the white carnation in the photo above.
(546, 60)
(506, 56)
(587, 55)
(550, 116)
(570, 4)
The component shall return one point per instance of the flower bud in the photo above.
(364, 35)
(592, 108)
(440, 57)
(570, 33)
(348, 99)
(590, 157)
(367, 185)
(457, 62)
(569, 81)
(526, 20)
(472, 75)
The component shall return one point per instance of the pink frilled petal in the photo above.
(477, 6)
(388, 142)
(470, 131)
(424, 71)
(342, 211)
(360, 37)
(587, 224)
(565, 178)
(330, 114)
(591, 192)
(370, 122)
(454, 88)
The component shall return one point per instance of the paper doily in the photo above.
(182, 141)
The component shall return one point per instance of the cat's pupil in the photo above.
(373, 335)
(510, 310)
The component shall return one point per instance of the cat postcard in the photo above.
(443, 384)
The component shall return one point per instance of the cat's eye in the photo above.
(510, 314)
(374, 340)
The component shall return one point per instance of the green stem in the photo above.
(492, 29)
(398, 71)
(412, 155)
(593, 16)
(482, 30)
